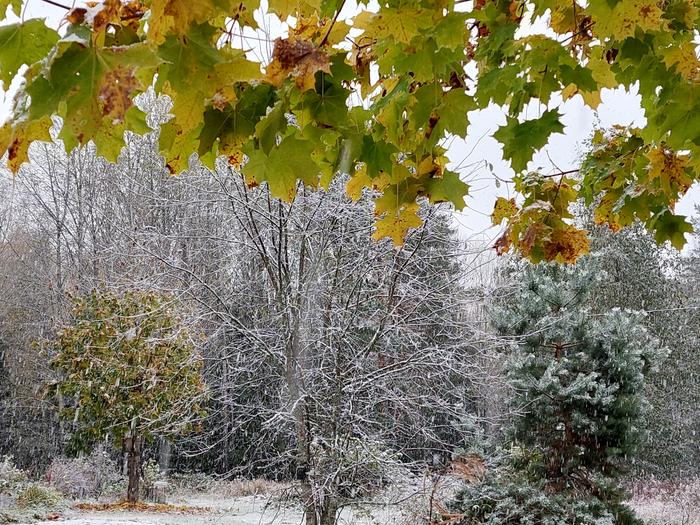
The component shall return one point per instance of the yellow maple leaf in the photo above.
(15, 140)
(503, 209)
(357, 182)
(669, 170)
(591, 98)
(623, 20)
(396, 225)
(566, 244)
(684, 59)
(176, 16)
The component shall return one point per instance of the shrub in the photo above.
(189, 481)
(151, 474)
(11, 477)
(87, 477)
(519, 502)
(36, 495)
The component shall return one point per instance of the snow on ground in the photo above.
(250, 510)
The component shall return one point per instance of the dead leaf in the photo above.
(299, 58)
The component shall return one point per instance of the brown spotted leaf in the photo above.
(300, 59)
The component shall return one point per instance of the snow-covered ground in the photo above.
(404, 508)
(248, 510)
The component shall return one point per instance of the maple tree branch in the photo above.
(561, 173)
(67, 8)
(330, 28)
(582, 31)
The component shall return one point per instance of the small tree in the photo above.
(577, 378)
(127, 369)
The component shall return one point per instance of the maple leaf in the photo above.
(621, 19)
(397, 224)
(447, 188)
(286, 8)
(97, 85)
(669, 169)
(16, 6)
(521, 140)
(503, 209)
(282, 169)
(23, 43)
(16, 138)
(401, 25)
(684, 59)
(299, 58)
(176, 16)
(566, 244)
(670, 227)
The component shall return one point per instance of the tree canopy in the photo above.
(127, 367)
(375, 94)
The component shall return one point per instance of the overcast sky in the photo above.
(469, 157)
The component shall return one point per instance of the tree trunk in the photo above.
(164, 452)
(329, 513)
(134, 446)
(316, 513)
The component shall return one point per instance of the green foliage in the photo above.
(127, 367)
(521, 140)
(23, 43)
(418, 93)
(628, 180)
(515, 501)
(577, 378)
(579, 375)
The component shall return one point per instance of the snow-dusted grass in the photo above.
(667, 503)
(405, 504)
(657, 503)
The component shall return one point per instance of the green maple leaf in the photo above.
(16, 6)
(269, 127)
(670, 227)
(23, 43)
(286, 164)
(196, 72)
(448, 188)
(521, 139)
(97, 86)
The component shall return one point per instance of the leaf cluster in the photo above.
(374, 95)
(125, 364)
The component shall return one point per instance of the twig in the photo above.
(67, 8)
(330, 28)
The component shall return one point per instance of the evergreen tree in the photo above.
(577, 379)
(658, 280)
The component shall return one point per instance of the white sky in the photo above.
(469, 157)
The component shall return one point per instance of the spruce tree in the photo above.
(577, 378)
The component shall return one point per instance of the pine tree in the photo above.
(577, 379)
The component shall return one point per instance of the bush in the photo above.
(87, 477)
(11, 478)
(191, 482)
(151, 474)
(518, 502)
(36, 495)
